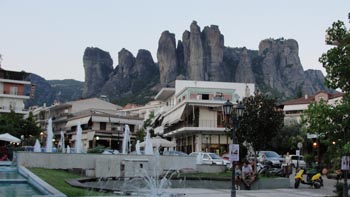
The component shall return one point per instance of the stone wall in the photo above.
(100, 165)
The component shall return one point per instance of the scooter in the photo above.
(313, 179)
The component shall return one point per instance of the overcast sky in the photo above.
(49, 37)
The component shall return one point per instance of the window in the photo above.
(205, 96)
(103, 126)
(13, 90)
(12, 105)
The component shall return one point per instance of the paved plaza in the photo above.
(303, 190)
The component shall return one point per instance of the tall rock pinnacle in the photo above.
(98, 64)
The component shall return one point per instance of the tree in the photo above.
(336, 60)
(141, 133)
(288, 137)
(260, 122)
(316, 119)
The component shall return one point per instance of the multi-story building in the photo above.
(98, 118)
(12, 94)
(192, 113)
(294, 108)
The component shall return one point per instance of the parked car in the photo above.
(226, 158)
(212, 158)
(295, 161)
(270, 158)
(110, 152)
(174, 152)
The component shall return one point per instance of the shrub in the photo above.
(97, 149)
(339, 189)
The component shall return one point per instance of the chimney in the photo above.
(306, 96)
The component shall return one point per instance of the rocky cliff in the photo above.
(275, 67)
(98, 65)
(50, 91)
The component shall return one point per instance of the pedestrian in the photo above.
(238, 175)
(247, 174)
(288, 164)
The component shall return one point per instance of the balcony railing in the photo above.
(200, 123)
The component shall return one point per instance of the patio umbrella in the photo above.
(159, 141)
(9, 138)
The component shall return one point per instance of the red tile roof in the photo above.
(311, 98)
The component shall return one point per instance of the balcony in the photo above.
(201, 124)
(7, 94)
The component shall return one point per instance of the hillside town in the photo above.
(202, 119)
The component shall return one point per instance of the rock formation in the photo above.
(98, 65)
(131, 75)
(281, 65)
(167, 58)
(213, 42)
(244, 72)
(201, 55)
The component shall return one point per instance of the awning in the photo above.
(159, 130)
(75, 122)
(155, 118)
(85, 136)
(126, 121)
(174, 116)
(159, 141)
(100, 119)
(206, 104)
(9, 138)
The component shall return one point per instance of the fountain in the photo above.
(68, 149)
(78, 143)
(148, 145)
(49, 136)
(37, 147)
(62, 142)
(199, 159)
(126, 139)
(137, 147)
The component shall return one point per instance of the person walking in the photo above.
(288, 164)
(238, 175)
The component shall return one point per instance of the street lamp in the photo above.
(228, 108)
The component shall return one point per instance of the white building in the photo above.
(98, 118)
(294, 108)
(12, 95)
(192, 113)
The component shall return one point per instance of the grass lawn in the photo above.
(57, 178)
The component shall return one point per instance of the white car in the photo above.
(110, 152)
(212, 158)
(295, 161)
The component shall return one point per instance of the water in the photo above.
(13, 184)
(138, 150)
(62, 142)
(126, 139)
(148, 145)
(37, 147)
(78, 143)
(49, 136)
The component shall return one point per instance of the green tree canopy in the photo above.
(15, 125)
(336, 60)
(260, 122)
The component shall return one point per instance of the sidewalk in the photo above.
(247, 193)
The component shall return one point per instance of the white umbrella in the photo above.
(159, 141)
(9, 138)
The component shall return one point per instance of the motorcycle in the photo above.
(313, 178)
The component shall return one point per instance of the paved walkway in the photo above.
(302, 191)
(250, 193)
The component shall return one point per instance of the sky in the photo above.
(48, 38)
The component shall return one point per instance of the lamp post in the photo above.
(228, 109)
